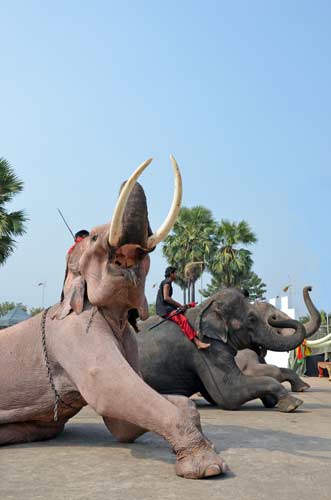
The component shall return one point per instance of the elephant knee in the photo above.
(122, 438)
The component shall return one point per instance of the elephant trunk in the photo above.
(315, 318)
(130, 220)
(277, 342)
(135, 224)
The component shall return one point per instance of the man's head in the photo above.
(170, 272)
(81, 234)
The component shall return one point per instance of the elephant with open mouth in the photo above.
(172, 364)
(253, 363)
(82, 351)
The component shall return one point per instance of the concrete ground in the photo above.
(272, 455)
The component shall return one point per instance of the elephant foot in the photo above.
(269, 401)
(200, 463)
(300, 387)
(289, 403)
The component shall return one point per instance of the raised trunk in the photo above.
(135, 225)
(315, 318)
(276, 342)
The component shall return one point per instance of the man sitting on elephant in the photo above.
(167, 307)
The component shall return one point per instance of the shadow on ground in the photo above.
(224, 437)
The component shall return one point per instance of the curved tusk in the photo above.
(312, 343)
(165, 228)
(319, 346)
(116, 222)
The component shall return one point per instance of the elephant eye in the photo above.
(252, 318)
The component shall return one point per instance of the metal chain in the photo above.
(57, 397)
(48, 366)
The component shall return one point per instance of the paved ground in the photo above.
(272, 456)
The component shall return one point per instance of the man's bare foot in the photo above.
(200, 344)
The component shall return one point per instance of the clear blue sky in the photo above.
(238, 91)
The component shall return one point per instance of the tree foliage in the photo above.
(11, 223)
(35, 310)
(5, 307)
(191, 241)
(199, 243)
(152, 309)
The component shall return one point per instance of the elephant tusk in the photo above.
(319, 346)
(116, 222)
(165, 228)
(313, 343)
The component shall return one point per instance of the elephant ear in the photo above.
(209, 322)
(73, 299)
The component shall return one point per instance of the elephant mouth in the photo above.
(130, 274)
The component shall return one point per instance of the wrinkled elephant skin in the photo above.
(170, 363)
(92, 351)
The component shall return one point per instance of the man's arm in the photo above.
(167, 298)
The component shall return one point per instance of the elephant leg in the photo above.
(269, 401)
(123, 431)
(297, 384)
(280, 374)
(26, 432)
(246, 388)
(126, 432)
(188, 406)
(116, 391)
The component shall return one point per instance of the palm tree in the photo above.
(191, 241)
(230, 265)
(11, 223)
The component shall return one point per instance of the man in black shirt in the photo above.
(166, 307)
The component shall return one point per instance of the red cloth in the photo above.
(77, 240)
(184, 325)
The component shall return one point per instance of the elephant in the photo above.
(171, 364)
(81, 351)
(253, 363)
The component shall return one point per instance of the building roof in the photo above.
(13, 317)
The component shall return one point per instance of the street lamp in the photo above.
(43, 285)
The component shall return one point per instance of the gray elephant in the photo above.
(172, 364)
(253, 363)
(81, 351)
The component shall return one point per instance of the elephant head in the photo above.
(229, 317)
(108, 268)
(265, 310)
